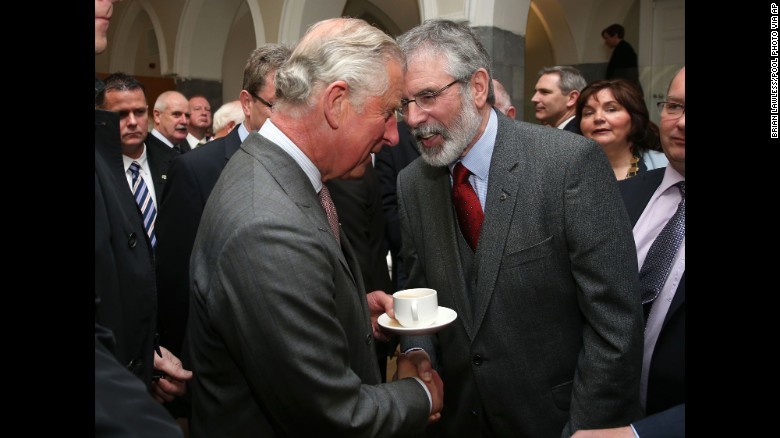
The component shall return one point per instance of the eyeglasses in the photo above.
(671, 109)
(427, 100)
(263, 101)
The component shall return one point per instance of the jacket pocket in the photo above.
(561, 395)
(529, 254)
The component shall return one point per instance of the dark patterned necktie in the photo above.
(658, 262)
(330, 212)
(143, 197)
(467, 206)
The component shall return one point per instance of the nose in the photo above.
(391, 137)
(131, 120)
(681, 122)
(414, 115)
(535, 98)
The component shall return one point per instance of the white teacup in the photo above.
(416, 307)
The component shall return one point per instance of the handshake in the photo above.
(415, 362)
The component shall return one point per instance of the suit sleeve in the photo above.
(284, 328)
(604, 265)
(176, 225)
(666, 424)
(123, 408)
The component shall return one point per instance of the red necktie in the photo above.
(470, 215)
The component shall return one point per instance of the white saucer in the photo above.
(443, 319)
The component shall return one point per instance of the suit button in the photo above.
(477, 360)
(369, 338)
(132, 240)
(474, 412)
(503, 197)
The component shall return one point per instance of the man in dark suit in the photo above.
(124, 94)
(623, 63)
(651, 199)
(191, 178)
(125, 294)
(389, 162)
(281, 329)
(548, 338)
(555, 97)
(171, 117)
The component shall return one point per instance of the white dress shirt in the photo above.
(145, 173)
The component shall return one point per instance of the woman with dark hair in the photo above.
(613, 112)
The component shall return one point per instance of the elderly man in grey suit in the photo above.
(280, 325)
(549, 332)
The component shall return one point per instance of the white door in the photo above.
(667, 50)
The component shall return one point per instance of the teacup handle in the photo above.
(414, 311)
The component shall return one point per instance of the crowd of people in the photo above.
(240, 261)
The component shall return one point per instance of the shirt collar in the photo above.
(275, 135)
(142, 161)
(478, 158)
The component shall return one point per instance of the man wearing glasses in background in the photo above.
(548, 338)
(191, 178)
(655, 201)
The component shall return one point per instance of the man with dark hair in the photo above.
(125, 95)
(125, 294)
(623, 63)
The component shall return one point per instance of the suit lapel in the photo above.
(293, 180)
(504, 190)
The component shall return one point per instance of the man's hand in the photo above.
(619, 432)
(418, 364)
(172, 383)
(378, 303)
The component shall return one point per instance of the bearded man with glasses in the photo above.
(528, 241)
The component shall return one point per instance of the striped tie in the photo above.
(144, 200)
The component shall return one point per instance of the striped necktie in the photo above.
(144, 200)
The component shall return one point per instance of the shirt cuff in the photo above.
(428, 393)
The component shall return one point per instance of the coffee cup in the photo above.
(416, 307)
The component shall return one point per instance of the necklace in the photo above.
(634, 168)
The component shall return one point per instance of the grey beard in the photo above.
(456, 139)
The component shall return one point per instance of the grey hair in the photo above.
(570, 78)
(231, 111)
(464, 53)
(353, 51)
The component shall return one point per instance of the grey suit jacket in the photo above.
(549, 337)
(280, 333)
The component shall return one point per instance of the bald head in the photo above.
(503, 100)
(171, 116)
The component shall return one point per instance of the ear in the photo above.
(479, 86)
(334, 103)
(511, 112)
(156, 116)
(572, 99)
(246, 102)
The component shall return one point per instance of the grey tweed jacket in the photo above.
(549, 332)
